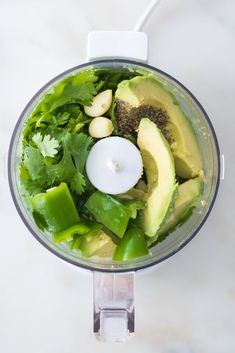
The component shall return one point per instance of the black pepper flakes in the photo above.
(128, 118)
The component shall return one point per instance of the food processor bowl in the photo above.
(175, 241)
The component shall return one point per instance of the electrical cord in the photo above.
(143, 18)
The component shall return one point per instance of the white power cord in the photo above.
(145, 15)
(128, 44)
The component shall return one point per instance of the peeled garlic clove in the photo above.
(100, 127)
(100, 105)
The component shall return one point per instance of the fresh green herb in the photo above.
(63, 107)
(79, 88)
(62, 118)
(47, 145)
(78, 146)
(71, 166)
(69, 169)
(34, 165)
(110, 78)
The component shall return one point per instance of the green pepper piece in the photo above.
(134, 206)
(56, 207)
(68, 233)
(77, 239)
(132, 245)
(110, 212)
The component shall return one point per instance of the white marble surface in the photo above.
(188, 306)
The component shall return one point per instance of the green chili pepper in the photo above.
(110, 212)
(56, 207)
(68, 233)
(132, 245)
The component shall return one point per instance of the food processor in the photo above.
(114, 281)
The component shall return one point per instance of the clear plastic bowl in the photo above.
(181, 236)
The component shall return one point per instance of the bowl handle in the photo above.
(222, 167)
(113, 305)
(117, 45)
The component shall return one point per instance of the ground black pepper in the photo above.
(128, 118)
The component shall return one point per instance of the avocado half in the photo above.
(147, 91)
(160, 170)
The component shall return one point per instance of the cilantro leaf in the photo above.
(63, 170)
(78, 88)
(72, 109)
(30, 187)
(78, 146)
(34, 163)
(47, 145)
(57, 132)
(71, 167)
(62, 118)
(37, 173)
(62, 107)
(110, 78)
(78, 183)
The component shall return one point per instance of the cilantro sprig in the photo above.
(47, 145)
(36, 169)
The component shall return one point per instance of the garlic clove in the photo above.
(100, 127)
(100, 105)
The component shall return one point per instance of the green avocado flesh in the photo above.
(106, 250)
(94, 244)
(187, 198)
(146, 90)
(160, 170)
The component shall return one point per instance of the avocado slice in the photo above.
(134, 194)
(188, 193)
(146, 90)
(94, 243)
(187, 197)
(160, 171)
(107, 250)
